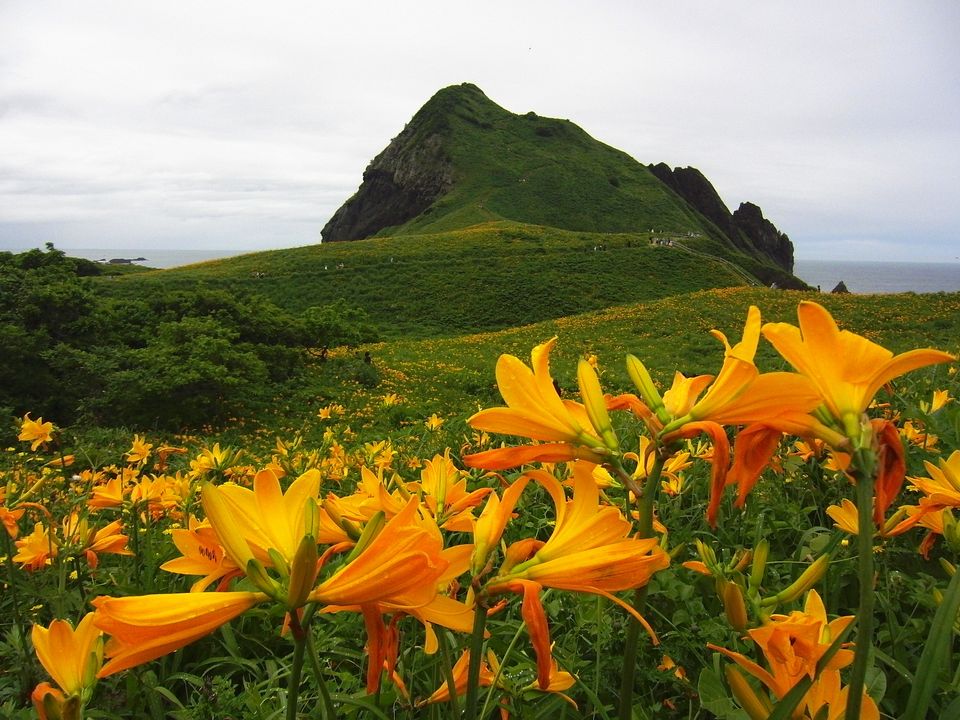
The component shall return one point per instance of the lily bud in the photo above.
(808, 578)
(744, 694)
(734, 606)
(951, 530)
(644, 383)
(370, 531)
(592, 396)
(279, 564)
(258, 576)
(760, 554)
(741, 560)
(302, 573)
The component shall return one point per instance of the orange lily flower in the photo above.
(536, 411)
(773, 403)
(589, 551)
(72, 658)
(444, 489)
(401, 565)
(79, 537)
(9, 519)
(460, 673)
(846, 369)
(792, 646)
(399, 570)
(146, 627)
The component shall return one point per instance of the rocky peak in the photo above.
(411, 173)
(763, 235)
(746, 228)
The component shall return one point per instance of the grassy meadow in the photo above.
(350, 544)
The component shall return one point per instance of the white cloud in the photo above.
(223, 122)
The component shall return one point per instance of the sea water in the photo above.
(880, 277)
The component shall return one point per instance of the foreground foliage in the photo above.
(501, 587)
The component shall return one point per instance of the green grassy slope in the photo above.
(540, 171)
(488, 277)
(453, 375)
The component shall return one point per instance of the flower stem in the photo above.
(644, 530)
(476, 655)
(296, 668)
(327, 711)
(865, 472)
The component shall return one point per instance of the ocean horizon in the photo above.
(876, 277)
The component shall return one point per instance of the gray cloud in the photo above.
(250, 125)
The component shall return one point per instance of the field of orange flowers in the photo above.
(735, 543)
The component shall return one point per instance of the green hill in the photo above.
(463, 160)
(488, 277)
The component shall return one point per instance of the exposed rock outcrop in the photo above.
(398, 184)
(763, 235)
(746, 228)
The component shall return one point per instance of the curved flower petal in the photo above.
(145, 627)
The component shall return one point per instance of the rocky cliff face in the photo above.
(398, 184)
(763, 235)
(746, 228)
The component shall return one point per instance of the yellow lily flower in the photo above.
(34, 551)
(444, 489)
(250, 523)
(536, 411)
(942, 488)
(145, 627)
(72, 657)
(201, 554)
(139, 451)
(36, 432)
(846, 369)
(492, 521)
(589, 551)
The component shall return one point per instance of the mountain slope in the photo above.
(464, 160)
(487, 277)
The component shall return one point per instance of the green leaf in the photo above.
(713, 697)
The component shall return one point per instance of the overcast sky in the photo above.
(238, 125)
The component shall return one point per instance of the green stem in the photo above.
(865, 471)
(448, 673)
(296, 669)
(327, 710)
(644, 530)
(476, 655)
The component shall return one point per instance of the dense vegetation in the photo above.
(98, 504)
(168, 358)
